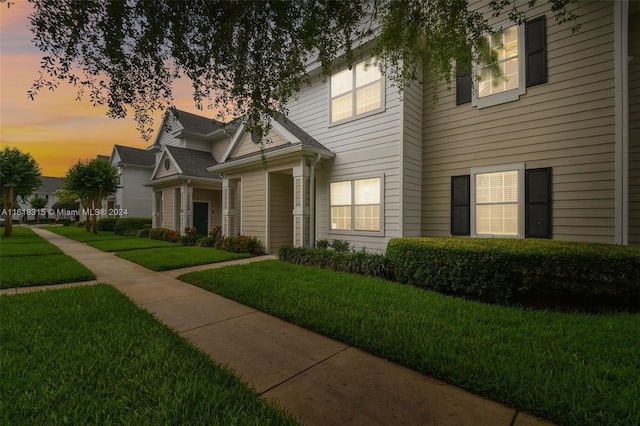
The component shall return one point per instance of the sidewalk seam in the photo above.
(304, 370)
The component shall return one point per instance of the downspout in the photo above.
(621, 52)
(312, 201)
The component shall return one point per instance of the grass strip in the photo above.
(90, 356)
(163, 259)
(27, 259)
(568, 368)
(82, 236)
(132, 243)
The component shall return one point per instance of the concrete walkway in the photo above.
(320, 380)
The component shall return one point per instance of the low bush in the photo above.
(216, 231)
(240, 244)
(362, 263)
(207, 241)
(107, 223)
(143, 233)
(514, 270)
(340, 245)
(131, 225)
(163, 234)
(188, 239)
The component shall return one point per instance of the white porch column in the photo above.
(229, 213)
(186, 207)
(301, 207)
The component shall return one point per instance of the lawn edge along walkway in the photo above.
(320, 380)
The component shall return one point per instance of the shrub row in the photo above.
(235, 244)
(363, 263)
(131, 225)
(511, 270)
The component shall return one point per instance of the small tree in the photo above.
(38, 203)
(91, 181)
(19, 177)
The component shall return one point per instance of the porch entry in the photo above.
(201, 217)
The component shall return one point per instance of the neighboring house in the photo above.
(184, 193)
(134, 169)
(47, 190)
(551, 149)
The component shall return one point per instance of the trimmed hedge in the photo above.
(107, 223)
(362, 263)
(512, 270)
(131, 225)
(240, 244)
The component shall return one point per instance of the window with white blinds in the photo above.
(497, 198)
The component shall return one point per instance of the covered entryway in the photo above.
(201, 217)
(280, 209)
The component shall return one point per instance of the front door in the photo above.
(201, 217)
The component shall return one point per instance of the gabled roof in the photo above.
(135, 156)
(192, 162)
(49, 185)
(293, 134)
(196, 123)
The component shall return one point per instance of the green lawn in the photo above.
(568, 368)
(26, 259)
(80, 235)
(131, 243)
(88, 355)
(163, 259)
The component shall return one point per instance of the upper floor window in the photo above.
(356, 91)
(504, 80)
(518, 54)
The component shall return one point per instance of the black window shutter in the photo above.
(460, 205)
(536, 51)
(537, 203)
(463, 88)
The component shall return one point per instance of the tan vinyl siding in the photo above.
(246, 145)
(168, 208)
(566, 124)
(368, 146)
(219, 148)
(634, 123)
(412, 161)
(281, 211)
(253, 217)
(162, 172)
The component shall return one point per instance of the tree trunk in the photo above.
(9, 205)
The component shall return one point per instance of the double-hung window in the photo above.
(356, 91)
(513, 58)
(503, 81)
(497, 201)
(356, 205)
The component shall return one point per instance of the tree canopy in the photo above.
(91, 181)
(19, 177)
(247, 57)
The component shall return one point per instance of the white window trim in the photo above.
(520, 167)
(353, 231)
(513, 94)
(353, 98)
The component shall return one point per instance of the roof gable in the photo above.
(133, 156)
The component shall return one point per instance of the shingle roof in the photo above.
(196, 123)
(135, 156)
(49, 185)
(192, 162)
(305, 140)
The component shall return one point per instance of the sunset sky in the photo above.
(54, 128)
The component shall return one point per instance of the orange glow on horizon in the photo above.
(54, 128)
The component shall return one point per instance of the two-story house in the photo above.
(547, 148)
(134, 166)
(184, 194)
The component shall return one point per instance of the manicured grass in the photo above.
(80, 235)
(163, 259)
(26, 259)
(131, 243)
(89, 356)
(569, 368)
